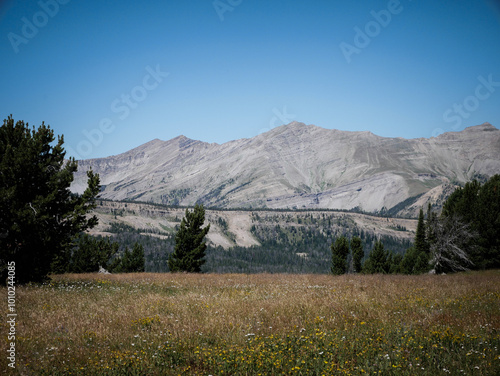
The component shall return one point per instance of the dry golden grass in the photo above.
(245, 324)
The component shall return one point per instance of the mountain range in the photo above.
(298, 166)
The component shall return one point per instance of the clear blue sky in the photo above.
(111, 75)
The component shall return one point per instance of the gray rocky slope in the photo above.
(298, 166)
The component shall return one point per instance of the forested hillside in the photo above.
(251, 241)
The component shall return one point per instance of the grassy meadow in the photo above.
(268, 324)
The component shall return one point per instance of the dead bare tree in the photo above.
(452, 244)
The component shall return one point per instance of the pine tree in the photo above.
(135, 260)
(430, 225)
(340, 251)
(39, 215)
(421, 248)
(487, 225)
(189, 251)
(421, 244)
(357, 253)
(396, 265)
(478, 206)
(131, 262)
(409, 261)
(90, 253)
(377, 260)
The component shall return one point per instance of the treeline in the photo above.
(465, 236)
(89, 254)
(293, 249)
(477, 206)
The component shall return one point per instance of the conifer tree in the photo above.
(409, 261)
(90, 253)
(377, 260)
(430, 225)
(189, 251)
(340, 251)
(396, 265)
(478, 206)
(132, 262)
(420, 254)
(39, 215)
(421, 244)
(357, 253)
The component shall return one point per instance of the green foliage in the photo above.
(466, 235)
(340, 251)
(39, 215)
(131, 262)
(430, 226)
(282, 249)
(189, 252)
(409, 261)
(396, 267)
(90, 253)
(357, 253)
(422, 263)
(118, 227)
(416, 259)
(414, 262)
(156, 250)
(378, 261)
(479, 206)
(421, 244)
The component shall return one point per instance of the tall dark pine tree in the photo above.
(377, 260)
(39, 215)
(422, 248)
(429, 226)
(340, 251)
(357, 253)
(420, 237)
(189, 251)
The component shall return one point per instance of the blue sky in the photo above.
(113, 75)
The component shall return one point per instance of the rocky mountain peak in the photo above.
(296, 166)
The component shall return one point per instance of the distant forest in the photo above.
(302, 249)
(470, 222)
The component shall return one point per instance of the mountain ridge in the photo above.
(296, 166)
